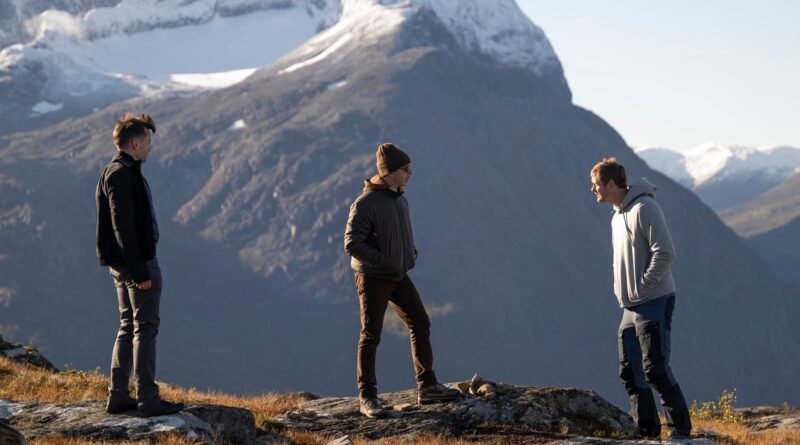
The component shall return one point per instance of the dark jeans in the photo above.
(374, 295)
(136, 340)
(644, 351)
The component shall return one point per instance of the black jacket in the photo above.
(378, 236)
(124, 218)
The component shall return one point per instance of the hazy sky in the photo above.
(680, 73)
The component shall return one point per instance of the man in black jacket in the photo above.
(379, 240)
(127, 233)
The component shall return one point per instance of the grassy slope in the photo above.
(25, 383)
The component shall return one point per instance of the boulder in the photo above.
(484, 405)
(770, 417)
(89, 420)
(24, 354)
(9, 435)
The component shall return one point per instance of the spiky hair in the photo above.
(132, 126)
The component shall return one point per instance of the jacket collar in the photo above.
(126, 159)
(377, 183)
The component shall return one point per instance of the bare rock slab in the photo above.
(89, 420)
(761, 418)
(576, 411)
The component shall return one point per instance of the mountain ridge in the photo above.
(725, 175)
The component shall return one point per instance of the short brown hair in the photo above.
(132, 126)
(610, 170)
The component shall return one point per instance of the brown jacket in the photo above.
(378, 236)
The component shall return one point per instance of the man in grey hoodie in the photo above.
(645, 290)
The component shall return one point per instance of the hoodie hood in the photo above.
(375, 183)
(642, 187)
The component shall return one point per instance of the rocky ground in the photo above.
(762, 418)
(487, 412)
(89, 420)
(485, 406)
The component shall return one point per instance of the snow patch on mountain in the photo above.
(321, 56)
(45, 107)
(336, 85)
(669, 162)
(221, 49)
(213, 80)
(713, 161)
(54, 21)
(238, 125)
(496, 28)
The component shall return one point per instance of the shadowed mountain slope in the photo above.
(773, 209)
(771, 226)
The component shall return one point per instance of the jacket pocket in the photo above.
(121, 274)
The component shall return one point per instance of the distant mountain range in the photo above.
(724, 176)
(252, 184)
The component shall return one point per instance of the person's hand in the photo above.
(145, 285)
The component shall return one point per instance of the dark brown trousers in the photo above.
(374, 294)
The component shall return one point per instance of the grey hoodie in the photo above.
(643, 249)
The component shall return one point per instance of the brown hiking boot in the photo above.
(371, 407)
(436, 393)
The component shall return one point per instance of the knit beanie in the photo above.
(390, 158)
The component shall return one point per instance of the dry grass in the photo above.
(741, 435)
(25, 383)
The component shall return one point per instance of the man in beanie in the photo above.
(379, 240)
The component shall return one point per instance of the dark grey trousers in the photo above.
(136, 340)
(644, 351)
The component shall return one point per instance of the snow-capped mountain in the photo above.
(84, 55)
(668, 162)
(725, 175)
(79, 62)
(15, 16)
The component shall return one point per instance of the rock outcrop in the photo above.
(770, 417)
(9, 435)
(483, 406)
(25, 354)
(89, 420)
